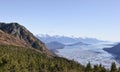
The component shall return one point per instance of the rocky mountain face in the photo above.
(17, 35)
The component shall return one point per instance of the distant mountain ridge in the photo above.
(67, 40)
(17, 35)
(78, 43)
(55, 45)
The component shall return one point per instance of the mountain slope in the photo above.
(19, 59)
(114, 50)
(11, 40)
(15, 34)
(55, 45)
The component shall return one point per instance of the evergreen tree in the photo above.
(96, 68)
(88, 68)
(113, 67)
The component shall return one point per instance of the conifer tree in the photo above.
(96, 68)
(113, 67)
(88, 68)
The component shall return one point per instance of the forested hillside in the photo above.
(18, 59)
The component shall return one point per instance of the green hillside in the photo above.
(17, 59)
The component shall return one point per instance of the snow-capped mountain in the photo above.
(61, 39)
(67, 40)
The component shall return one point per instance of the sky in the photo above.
(80, 18)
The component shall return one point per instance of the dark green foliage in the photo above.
(17, 59)
(35, 45)
(113, 68)
(88, 68)
(96, 68)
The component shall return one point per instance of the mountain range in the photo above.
(67, 40)
(57, 42)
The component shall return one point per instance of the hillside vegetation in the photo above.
(17, 59)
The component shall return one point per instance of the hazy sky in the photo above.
(90, 18)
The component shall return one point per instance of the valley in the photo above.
(79, 50)
(91, 53)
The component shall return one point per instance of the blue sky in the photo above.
(84, 18)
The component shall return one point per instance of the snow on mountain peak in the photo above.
(67, 39)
